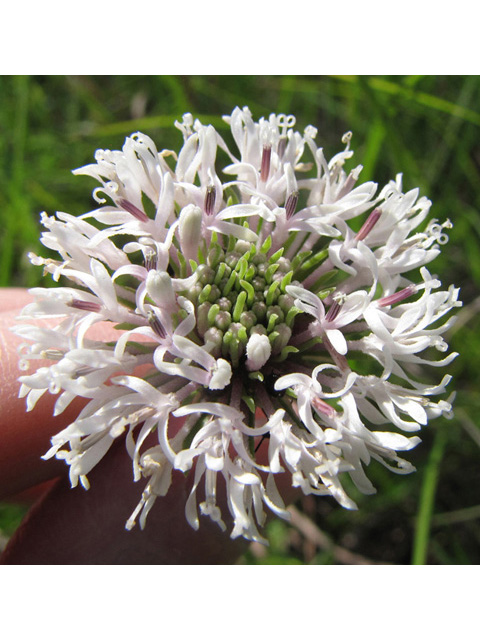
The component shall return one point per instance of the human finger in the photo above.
(74, 526)
(24, 436)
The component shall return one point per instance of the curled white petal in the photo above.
(221, 375)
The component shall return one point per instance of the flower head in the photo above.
(288, 303)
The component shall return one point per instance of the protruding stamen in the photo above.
(210, 197)
(154, 322)
(85, 305)
(398, 296)
(332, 313)
(349, 182)
(265, 167)
(82, 371)
(134, 210)
(52, 354)
(150, 258)
(282, 144)
(291, 204)
(323, 407)
(369, 224)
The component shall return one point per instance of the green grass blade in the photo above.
(436, 103)
(427, 498)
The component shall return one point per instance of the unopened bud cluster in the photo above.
(240, 293)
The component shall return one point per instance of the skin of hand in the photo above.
(74, 526)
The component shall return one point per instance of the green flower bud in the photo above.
(242, 247)
(285, 302)
(260, 310)
(258, 283)
(214, 293)
(213, 341)
(258, 328)
(284, 265)
(262, 269)
(248, 319)
(193, 293)
(235, 328)
(224, 304)
(215, 256)
(205, 274)
(202, 317)
(232, 258)
(282, 339)
(259, 258)
(275, 309)
(223, 320)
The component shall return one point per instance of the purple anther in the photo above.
(135, 211)
(348, 184)
(323, 407)
(150, 259)
(265, 168)
(291, 204)
(369, 224)
(282, 144)
(210, 197)
(332, 313)
(398, 296)
(156, 325)
(85, 305)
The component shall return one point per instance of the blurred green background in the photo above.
(426, 127)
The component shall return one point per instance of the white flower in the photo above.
(343, 311)
(258, 350)
(254, 309)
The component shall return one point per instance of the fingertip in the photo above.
(13, 299)
(74, 526)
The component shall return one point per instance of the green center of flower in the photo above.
(241, 292)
